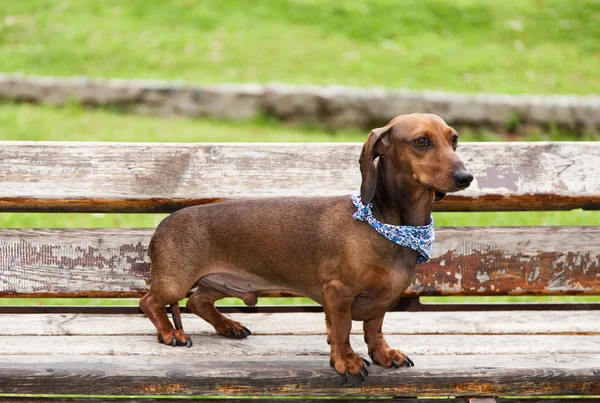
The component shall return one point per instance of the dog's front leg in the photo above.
(337, 303)
(379, 351)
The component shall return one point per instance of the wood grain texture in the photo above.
(467, 261)
(146, 177)
(473, 375)
(54, 399)
(396, 323)
(212, 346)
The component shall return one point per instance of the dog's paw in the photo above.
(175, 338)
(350, 364)
(388, 357)
(233, 330)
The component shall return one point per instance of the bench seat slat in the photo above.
(53, 399)
(531, 374)
(212, 346)
(152, 177)
(396, 323)
(467, 261)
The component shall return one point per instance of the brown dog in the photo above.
(312, 246)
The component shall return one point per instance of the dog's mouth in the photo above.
(439, 196)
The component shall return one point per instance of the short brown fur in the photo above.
(312, 246)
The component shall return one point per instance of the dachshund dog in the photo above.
(311, 246)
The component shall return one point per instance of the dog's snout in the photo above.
(462, 179)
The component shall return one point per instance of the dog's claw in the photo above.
(233, 333)
(367, 362)
(362, 376)
(247, 331)
(365, 370)
(395, 364)
(372, 355)
(345, 377)
(412, 364)
(173, 342)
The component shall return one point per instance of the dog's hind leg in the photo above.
(154, 307)
(202, 304)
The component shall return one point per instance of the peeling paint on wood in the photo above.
(467, 261)
(145, 177)
(513, 261)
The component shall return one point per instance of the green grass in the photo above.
(25, 122)
(300, 301)
(515, 46)
(73, 220)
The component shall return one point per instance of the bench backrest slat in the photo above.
(149, 177)
(468, 261)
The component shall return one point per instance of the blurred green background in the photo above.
(509, 46)
(515, 46)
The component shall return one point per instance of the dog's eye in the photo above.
(422, 142)
(454, 140)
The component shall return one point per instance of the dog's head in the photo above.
(420, 146)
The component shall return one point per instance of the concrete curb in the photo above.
(332, 107)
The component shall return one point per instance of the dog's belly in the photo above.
(245, 286)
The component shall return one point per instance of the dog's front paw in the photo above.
(175, 338)
(389, 357)
(350, 363)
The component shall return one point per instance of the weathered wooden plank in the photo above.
(146, 177)
(213, 346)
(53, 399)
(396, 323)
(467, 261)
(268, 399)
(359, 399)
(472, 375)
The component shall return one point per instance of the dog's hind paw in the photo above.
(175, 338)
(233, 330)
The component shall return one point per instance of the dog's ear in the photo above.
(373, 147)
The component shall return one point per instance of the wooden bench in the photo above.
(467, 351)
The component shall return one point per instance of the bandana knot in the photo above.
(417, 238)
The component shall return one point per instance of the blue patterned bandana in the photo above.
(417, 238)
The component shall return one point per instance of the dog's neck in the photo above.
(401, 200)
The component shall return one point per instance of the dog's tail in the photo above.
(176, 313)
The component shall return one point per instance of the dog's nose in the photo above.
(463, 179)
